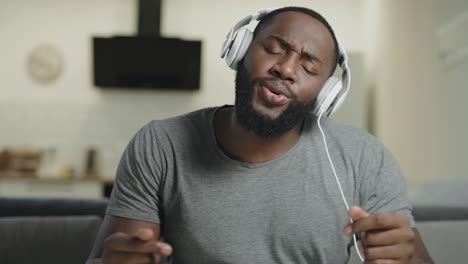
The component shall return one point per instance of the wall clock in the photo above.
(45, 63)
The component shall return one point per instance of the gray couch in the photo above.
(48, 230)
(441, 211)
(63, 231)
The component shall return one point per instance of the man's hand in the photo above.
(386, 238)
(138, 248)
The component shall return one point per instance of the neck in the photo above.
(244, 145)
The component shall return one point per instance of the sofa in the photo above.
(48, 230)
(63, 230)
(441, 212)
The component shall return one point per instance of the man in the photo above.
(251, 183)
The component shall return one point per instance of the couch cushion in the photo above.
(54, 239)
(445, 240)
(51, 207)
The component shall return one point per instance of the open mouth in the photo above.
(273, 96)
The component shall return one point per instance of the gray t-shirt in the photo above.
(213, 209)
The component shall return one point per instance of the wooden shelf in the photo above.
(49, 187)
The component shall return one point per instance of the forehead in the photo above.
(300, 30)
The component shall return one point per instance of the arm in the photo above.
(128, 241)
(384, 218)
(421, 255)
(135, 195)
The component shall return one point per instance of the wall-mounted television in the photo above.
(146, 62)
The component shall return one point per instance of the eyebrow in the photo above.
(309, 56)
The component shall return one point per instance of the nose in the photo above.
(286, 68)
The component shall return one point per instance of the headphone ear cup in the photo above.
(327, 96)
(239, 47)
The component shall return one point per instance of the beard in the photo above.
(262, 124)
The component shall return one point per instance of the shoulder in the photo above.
(178, 125)
(348, 135)
(195, 118)
(356, 144)
(160, 139)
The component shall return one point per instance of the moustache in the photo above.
(277, 86)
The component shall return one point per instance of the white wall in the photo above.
(421, 108)
(72, 114)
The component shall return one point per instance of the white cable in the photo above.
(337, 181)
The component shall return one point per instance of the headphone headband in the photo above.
(243, 22)
(345, 76)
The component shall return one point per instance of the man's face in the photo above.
(282, 73)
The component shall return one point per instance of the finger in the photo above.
(164, 249)
(127, 258)
(125, 243)
(357, 213)
(382, 261)
(156, 259)
(388, 237)
(393, 252)
(361, 247)
(379, 222)
(144, 234)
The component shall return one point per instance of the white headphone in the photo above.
(332, 94)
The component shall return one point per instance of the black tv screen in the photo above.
(146, 62)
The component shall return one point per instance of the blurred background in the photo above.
(62, 135)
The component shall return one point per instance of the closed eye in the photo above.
(273, 47)
(308, 70)
(273, 51)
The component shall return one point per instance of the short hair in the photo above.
(267, 20)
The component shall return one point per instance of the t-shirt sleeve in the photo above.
(383, 188)
(135, 194)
